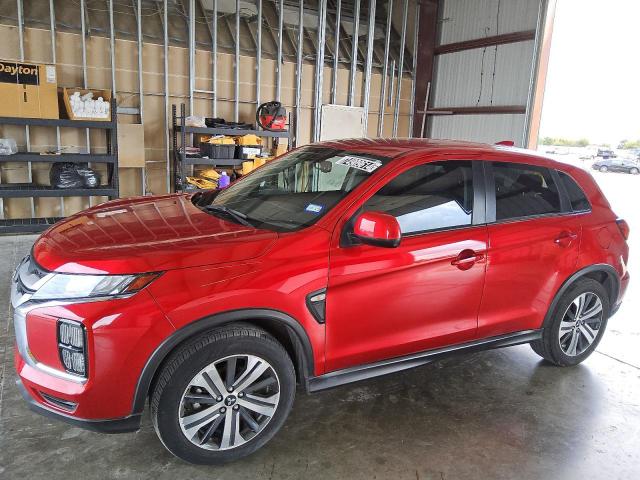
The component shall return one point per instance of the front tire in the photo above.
(604, 169)
(634, 171)
(574, 329)
(223, 395)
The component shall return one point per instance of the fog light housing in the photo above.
(72, 347)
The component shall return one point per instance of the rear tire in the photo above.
(634, 171)
(574, 329)
(223, 395)
(604, 169)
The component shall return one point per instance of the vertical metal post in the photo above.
(83, 26)
(114, 90)
(214, 58)
(140, 47)
(535, 64)
(391, 83)
(403, 38)
(416, 31)
(385, 69)
(192, 52)
(279, 56)
(354, 53)
(165, 34)
(322, 20)
(299, 69)
(259, 53)
(143, 171)
(112, 53)
(367, 68)
(27, 132)
(236, 107)
(336, 41)
(54, 58)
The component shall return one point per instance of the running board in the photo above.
(363, 372)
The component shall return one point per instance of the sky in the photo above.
(593, 83)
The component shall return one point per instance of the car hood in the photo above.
(146, 234)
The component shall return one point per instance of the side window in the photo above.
(524, 191)
(577, 197)
(431, 196)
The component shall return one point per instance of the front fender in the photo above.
(302, 345)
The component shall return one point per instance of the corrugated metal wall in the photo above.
(498, 75)
(465, 20)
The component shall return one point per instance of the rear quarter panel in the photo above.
(602, 241)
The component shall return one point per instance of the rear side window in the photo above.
(431, 196)
(577, 197)
(524, 191)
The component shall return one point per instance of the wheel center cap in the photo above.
(230, 400)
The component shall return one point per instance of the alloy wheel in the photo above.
(229, 402)
(580, 324)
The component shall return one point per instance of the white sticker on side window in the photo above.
(359, 163)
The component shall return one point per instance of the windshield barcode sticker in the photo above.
(313, 208)
(360, 163)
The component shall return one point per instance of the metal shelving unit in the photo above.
(180, 131)
(27, 190)
(27, 225)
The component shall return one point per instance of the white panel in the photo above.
(469, 19)
(339, 121)
(247, 7)
(466, 79)
(479, 128)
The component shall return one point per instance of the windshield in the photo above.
(294, 191)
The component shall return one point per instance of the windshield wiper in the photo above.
(237, 216)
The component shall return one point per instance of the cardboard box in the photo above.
(131, 145)
(282, 147)
(67, 92)
(28, 90)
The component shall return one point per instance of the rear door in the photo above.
(534, 240)
(423, 294)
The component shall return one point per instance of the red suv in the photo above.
(334, 263)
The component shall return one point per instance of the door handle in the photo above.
(565, 239)
(466, 259)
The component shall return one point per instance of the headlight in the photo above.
(66, 286)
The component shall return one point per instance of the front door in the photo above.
(423, 294)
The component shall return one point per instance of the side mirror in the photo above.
(378, 229)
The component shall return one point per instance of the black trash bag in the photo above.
(90, 177)
(73, 175)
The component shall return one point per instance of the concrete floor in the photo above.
(498, 414)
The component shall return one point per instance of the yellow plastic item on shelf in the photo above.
(247, 167)
(202, 182)
(209, 174)
(249, 139)
(258, 162)
(221, 140)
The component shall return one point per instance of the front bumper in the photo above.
(121, 335)
(117, 425)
